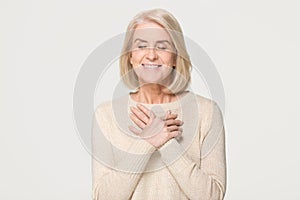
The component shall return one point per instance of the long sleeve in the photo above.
(115, 172)
(206, 181)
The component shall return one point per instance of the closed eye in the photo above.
(142, 46)
(161, 47)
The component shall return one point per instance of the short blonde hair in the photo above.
(183, 63)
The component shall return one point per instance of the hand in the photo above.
(155, 130)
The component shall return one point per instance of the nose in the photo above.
(151, 53)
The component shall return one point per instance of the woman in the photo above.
(161, 141)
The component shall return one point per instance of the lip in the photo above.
(151, 66)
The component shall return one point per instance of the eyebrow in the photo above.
(159, 41)
(139, 40)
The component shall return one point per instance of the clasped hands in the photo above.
(157, 131)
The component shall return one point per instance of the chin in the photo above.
(155, 80)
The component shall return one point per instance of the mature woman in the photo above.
(161, 141)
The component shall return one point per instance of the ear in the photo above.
(130, 59)
(174, 62)
(174, 65)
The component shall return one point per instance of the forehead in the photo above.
(151, 32)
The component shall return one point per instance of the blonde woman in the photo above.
(160, 141)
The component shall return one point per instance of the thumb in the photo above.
(167, 114)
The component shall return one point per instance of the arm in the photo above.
(115, 172)
(207, 181)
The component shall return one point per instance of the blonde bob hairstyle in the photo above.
(182, 76)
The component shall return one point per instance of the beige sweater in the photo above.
(190, 167)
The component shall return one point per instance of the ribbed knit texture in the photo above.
(125, 167)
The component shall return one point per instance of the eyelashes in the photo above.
(159, 47)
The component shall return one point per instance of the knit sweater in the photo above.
(190, 167)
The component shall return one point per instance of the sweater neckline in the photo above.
(167, 104)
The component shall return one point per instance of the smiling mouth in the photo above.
(151, 66)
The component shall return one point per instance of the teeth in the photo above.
(151, 66)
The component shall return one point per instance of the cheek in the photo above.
(135, 57)
(169, 59)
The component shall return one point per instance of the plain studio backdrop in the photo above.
(254, 45)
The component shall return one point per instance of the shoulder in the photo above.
(205, 105)
(209, 111)
(109, 106)
(103, 107)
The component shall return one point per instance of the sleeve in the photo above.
(207, 181)
(115, 173)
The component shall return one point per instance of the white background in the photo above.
(254, 45)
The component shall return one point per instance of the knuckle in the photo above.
(173, 134)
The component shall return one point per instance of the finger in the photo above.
(134, 130)
(173, 128)
(171, 116)
(140, 115)
(137, 121)
(166, 115)
(171, 122)
(145, 110)
(174, 134)
(148, 113)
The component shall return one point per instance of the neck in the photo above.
(153, 94)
